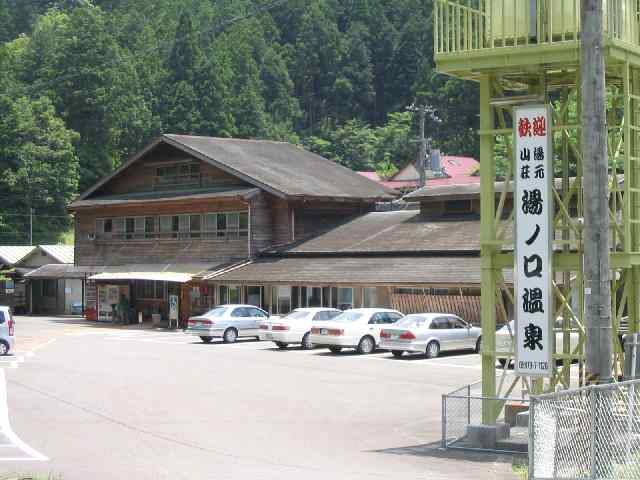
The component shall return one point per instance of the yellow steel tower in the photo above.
(524, 50)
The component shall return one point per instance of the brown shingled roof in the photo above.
(282, 169)
(370, 270)
(388, 232)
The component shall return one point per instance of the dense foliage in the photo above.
(84, 83)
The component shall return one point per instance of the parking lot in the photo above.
(105, 403)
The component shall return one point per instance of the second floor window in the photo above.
(177, 174)
(232, 226)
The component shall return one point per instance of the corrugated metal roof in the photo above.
(125, 272)
(10, 255)
(367, 270)
(62, 253)
(62, 270)
(399, 231)
(147, 197)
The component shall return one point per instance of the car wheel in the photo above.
(335, 349)
(367, 345)
(306, 344)
(206, 339)
(230, 335)
(433, 349)
(479, 345)
(397, 353)
(502, 362)
(282, 345)
(4, 347)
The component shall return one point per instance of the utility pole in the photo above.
(421, 164)
(597, 286)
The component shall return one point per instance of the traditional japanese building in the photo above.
(187, 206)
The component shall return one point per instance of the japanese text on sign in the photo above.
(534, 211)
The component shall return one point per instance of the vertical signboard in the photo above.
(173, 310)
(533, 201)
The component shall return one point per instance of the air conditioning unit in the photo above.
(91, 237)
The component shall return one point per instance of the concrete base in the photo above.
(522, 419)
(487, 436)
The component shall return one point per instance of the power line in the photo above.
(219, 27)
(34, 215)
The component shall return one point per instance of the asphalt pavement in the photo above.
(95, 402)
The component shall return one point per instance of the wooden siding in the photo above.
(281, 220)
(140, 175)
(466, 307)
(152, 251)
(261, 223)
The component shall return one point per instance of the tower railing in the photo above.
(474, 25)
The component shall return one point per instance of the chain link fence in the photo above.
(590, 433)
(463, 408)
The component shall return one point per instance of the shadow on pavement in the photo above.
(434, 450)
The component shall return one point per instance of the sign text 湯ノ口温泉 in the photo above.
(534, 213)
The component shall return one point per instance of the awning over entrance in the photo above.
(179, 273)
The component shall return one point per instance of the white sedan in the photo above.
(295, 327)
(430, 333)
(358, 328)
(505, 347)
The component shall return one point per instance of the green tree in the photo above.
(39, 164)
(354, 85)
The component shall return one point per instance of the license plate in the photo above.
(268, 336)
(324, 331)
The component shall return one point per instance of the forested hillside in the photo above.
(85, 83)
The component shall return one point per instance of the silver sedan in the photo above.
(228, 322)
(430, 333)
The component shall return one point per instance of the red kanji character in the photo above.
(524, 127)
(539, 126)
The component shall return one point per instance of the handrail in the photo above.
(472, 25)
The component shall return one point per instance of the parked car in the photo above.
(295, 327)
(505, 347)
(228, 322)
(7, 330)
(358, 328)
(430, 333)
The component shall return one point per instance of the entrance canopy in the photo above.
(179, 273)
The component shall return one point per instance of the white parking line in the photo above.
(5, 429)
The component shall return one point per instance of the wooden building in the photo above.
(42, 295)
(401, 259)
(185, 207)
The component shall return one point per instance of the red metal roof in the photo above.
(459, 171)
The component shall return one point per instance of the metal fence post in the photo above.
(532, 437)
(469, 404)
(594, 410)
(444, 421)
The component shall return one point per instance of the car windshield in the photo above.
(412, 321)
(348, 317)
(296, 315)
(216, 312)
